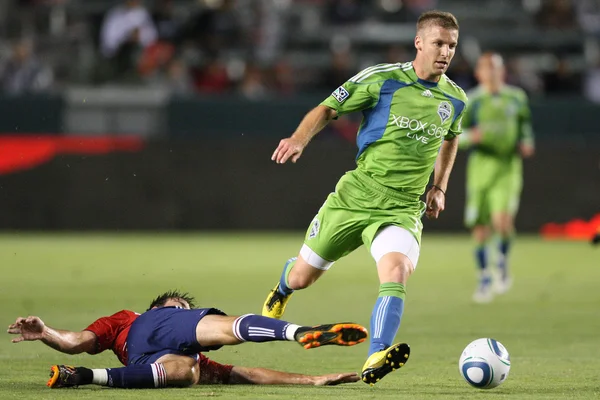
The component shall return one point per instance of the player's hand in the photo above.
(435, 201)
(30, 328)
(288, 149)
(336, 379)
(526, 150)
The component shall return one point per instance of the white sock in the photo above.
(290, 331)
(100, 377)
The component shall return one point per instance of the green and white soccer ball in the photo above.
(484, 363)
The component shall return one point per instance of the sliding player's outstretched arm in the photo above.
(33, 328)
(263, 376)
(213, 373)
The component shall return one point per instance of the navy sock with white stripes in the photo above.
(256, 328)
(386, 316)
(145, 376)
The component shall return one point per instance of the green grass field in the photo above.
(550, 321)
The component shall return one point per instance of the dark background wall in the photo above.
(232, 184)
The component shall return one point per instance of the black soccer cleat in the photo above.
(62, 376)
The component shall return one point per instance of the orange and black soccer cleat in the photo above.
(341, 334)
(62, 376)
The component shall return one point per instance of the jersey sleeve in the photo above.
(107, 329)
(359, 93)
(212, 372)
(469, 116)
(469, 121)
(457, 125)
(525, 128)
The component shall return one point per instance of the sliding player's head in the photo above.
(173, 298)
(490, 69)
(436, 41)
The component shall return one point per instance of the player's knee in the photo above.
(182, 374)
(186, 377)
(504, 225)
(395, 267)
(404, 268)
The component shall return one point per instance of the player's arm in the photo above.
(354, 95)
(263, 376)
(445, 162)
(436, 197)
(526, 138)
(212, 373)
(69, 342)
(311, 124)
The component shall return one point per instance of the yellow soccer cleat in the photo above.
(274, 306)
(383, 362)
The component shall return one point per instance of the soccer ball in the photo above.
(484, 363)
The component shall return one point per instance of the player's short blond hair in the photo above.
(442, 19)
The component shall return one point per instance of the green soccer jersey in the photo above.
(503, 119)
(405, 120)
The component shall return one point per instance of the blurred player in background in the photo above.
(162, 346)
(499, 135)
(411, 116)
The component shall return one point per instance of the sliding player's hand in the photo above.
(288, 149)
(30, 328)
(336, 379)
(435, 201)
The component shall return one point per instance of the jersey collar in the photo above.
(427, 84)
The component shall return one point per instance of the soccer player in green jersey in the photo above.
(499, 134)
(411, 116)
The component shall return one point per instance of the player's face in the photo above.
(177, 303)
(490, 70)
(436, 47)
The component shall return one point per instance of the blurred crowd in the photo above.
(249, 46)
